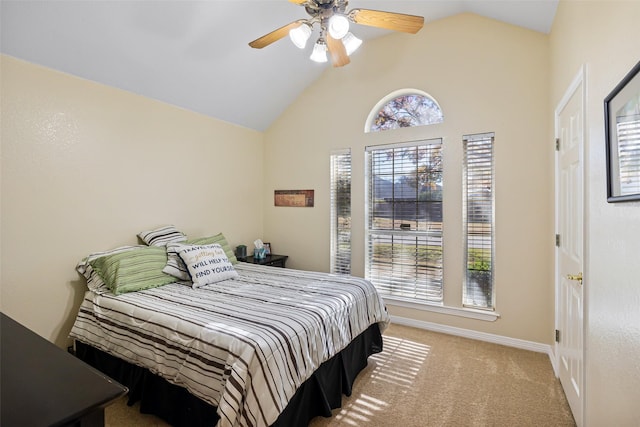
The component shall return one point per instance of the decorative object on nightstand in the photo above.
(272, 260)
(259, 252)
(241, 251)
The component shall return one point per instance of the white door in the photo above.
(570, 128)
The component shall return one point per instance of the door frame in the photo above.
(580, 80)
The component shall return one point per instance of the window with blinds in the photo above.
(341, 212)
(404, 220)
(478, 220)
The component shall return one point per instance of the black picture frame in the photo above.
(267, 247)
(622, 119)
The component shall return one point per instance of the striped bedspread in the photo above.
(244, 345)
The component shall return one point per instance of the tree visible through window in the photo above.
(405, 110)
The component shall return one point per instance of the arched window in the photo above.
(404, 108)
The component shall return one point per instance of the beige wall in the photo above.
(487, 77)
(85, 167)
(605, 36)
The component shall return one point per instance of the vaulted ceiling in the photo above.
(195, 54)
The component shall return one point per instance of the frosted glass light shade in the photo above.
(319, 53)
(300, 35)
(351, 43)
(338, 26)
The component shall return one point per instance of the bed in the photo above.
(265, 347)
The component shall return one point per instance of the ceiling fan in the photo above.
(333, 18)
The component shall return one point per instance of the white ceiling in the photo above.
(195, 54)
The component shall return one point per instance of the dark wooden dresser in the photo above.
(43, 385)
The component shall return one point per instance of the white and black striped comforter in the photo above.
(244, 345)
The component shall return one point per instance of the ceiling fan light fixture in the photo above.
(334, 18)
(338, 26)
(319, 53)
(351, 43)
(300, 35)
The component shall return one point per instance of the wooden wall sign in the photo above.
(295, 198)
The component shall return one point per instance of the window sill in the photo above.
(489, 316)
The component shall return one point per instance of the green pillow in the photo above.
(219, 239)
(133, 270)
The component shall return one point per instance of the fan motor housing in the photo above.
(326, 8)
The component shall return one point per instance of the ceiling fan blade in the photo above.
(337, 52)
(275, 35)
(387, 20)
(298, 1)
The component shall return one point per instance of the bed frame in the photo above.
(317, 396)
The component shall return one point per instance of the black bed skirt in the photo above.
(321, 393)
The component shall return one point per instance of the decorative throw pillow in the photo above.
(206, 264)
(161, 236)
(176, 267)
(219, 239)
(94, 281)
(133, 270)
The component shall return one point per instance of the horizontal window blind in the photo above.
(341, 212)
(478, 220)
(629, 153)
(404, 220)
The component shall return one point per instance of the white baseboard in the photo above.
(481, 336)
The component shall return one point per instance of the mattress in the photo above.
(244, 345)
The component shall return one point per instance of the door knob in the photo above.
(577, 277)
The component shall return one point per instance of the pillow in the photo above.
(94, 281)
(176, 267)
(221, 240)
(161, 236)
(133, 270)
(206, 264)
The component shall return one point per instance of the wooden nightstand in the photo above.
(271, 260)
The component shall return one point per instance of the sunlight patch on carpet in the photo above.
(361, 410)
(398, 365)
(400, 362)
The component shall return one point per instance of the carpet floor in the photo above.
(425, 379)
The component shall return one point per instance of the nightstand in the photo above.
(271, 260)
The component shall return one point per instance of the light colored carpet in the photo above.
(430, 379)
